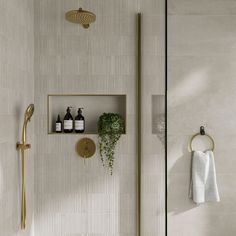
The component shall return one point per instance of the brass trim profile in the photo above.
(139, 121)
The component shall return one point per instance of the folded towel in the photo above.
(203, 185)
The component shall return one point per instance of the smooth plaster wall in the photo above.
(16, 92)
(201, 91)
(73, 198)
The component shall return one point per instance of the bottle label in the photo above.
(68, 124)
(58, 126)
(79, 125)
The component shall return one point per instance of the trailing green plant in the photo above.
(110, 128)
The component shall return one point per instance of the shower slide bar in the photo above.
(22, 147)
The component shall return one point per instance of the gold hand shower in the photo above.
(22, 147)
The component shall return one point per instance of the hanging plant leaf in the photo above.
(110, 128)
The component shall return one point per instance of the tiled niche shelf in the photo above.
(94, 105)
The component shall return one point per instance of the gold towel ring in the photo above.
(202, 132)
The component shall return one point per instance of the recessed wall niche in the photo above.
(94, 106)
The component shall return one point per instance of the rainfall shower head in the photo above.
(29, 112)
(85, 18)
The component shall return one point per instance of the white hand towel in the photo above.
(203, 185)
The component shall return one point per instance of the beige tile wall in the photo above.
(71, 198)
(153, 82)
(201, 82)
(76, 199)
(16, 92)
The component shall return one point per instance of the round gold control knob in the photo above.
(85, 147)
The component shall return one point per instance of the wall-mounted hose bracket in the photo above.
(22, 146)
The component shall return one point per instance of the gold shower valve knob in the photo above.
(85, 147)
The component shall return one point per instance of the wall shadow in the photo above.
(179, 182)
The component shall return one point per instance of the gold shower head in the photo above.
(29, 112)
(85, 18)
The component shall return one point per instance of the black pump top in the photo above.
(68, 109)
(80, 110)
(58, 118)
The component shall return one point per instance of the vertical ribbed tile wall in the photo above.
(153, 86)
(73, 198)
(201, 82)
(16, 92)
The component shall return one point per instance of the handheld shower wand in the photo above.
(22, 147)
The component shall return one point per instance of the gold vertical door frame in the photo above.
(139, 122)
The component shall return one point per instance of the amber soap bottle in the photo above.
(79, 122)
(68, 121)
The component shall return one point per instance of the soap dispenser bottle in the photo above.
(79, 122)
(58, 125)
(68, 121)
